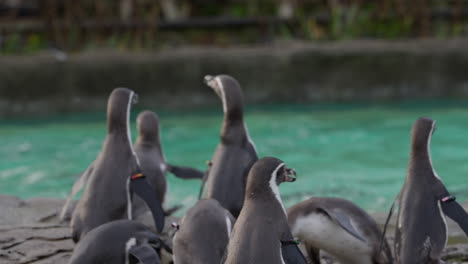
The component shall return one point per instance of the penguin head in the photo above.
(148, 127)
(421, 133)
(118, 108)
(267, 173)
(229, 91)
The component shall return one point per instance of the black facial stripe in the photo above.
(280, 175)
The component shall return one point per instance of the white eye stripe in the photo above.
(223, 94)
(429, 150)
(274, 186)
(129, 136)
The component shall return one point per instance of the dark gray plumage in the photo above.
(203, 234)
(149, 151)
(261, 227)
(421, 232)
(105, 197)
(118, 242)
(234, 156)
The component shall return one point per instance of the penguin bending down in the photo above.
(339, 227)
(261, 233)
(236, 153)
(203, 234)
(114, 175)
(421, 230)
(118, 242)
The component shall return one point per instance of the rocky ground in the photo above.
(30, 232)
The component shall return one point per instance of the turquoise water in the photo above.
(355, 151)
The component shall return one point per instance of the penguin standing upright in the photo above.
(148, 149)
(261, 233)
(421, 230)
(106, 196)
(203, 234)
(235, 155)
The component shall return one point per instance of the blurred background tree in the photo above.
(31, 25)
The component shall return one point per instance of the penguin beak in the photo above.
(288, 174)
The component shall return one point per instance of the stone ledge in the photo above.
(286, 72)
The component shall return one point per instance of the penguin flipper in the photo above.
(456, 212)
(185, 172)
(205, 177)
(144, 253)
(143, 189)
(67, 209)
(344, 221)
(291, 253)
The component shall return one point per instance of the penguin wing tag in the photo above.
(144, 253)
(143, 189)
(344, 221)
(456, 212)
(291, 253)
(186, 172)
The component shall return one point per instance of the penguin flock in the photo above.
(240, 217)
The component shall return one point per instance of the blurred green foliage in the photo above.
(309, 20)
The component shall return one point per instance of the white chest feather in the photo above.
(319, 231)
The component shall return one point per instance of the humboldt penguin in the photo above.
(261, 233)
(118, 242)
(148, 149)
(236, 153)
(421, 230)
(339, 227)
(106, 196)
(203, 234)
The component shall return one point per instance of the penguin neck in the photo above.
(420, 158)
(118, 123)
(233, 129)
(149, 143)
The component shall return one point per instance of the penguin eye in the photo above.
(279, 174)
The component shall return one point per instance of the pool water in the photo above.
(356, 151)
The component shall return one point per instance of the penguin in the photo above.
(261, 233)
(424, 202)
(148, 149)
(203, 234)
(107, 196)
(118, 242)
(339, 227)
(235, 154)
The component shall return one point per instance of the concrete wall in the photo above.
(286, 72)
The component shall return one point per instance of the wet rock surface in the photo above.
(30, 232)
